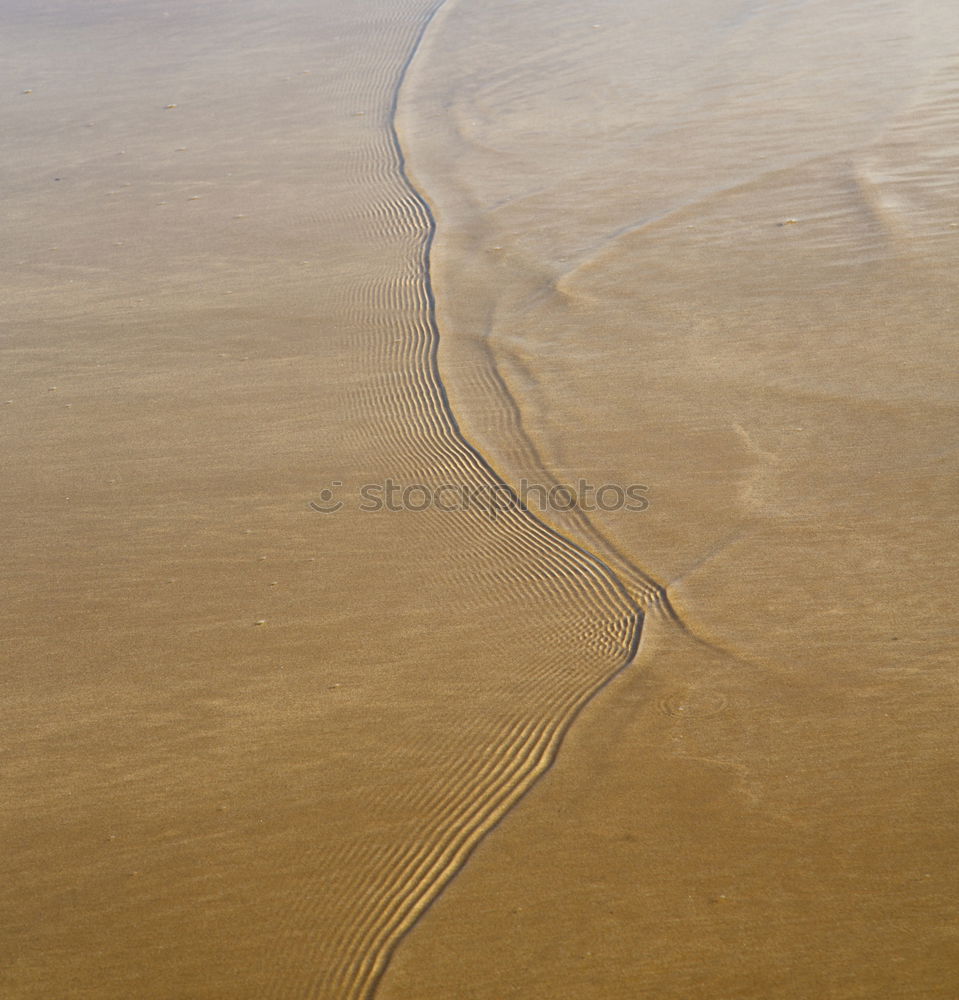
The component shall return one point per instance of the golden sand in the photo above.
(252, 251)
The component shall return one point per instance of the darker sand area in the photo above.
(247, 742)
(246, 745)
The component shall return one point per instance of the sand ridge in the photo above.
(329, 768)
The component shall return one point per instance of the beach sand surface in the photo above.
(248, 744)
(710, 248)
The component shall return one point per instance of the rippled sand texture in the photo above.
(245, 743)
(711, 247)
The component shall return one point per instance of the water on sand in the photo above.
(253, 251)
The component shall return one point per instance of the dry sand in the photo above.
(709, 248)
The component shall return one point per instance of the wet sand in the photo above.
(252, 252)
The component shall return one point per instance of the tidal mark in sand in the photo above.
(387, 886)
